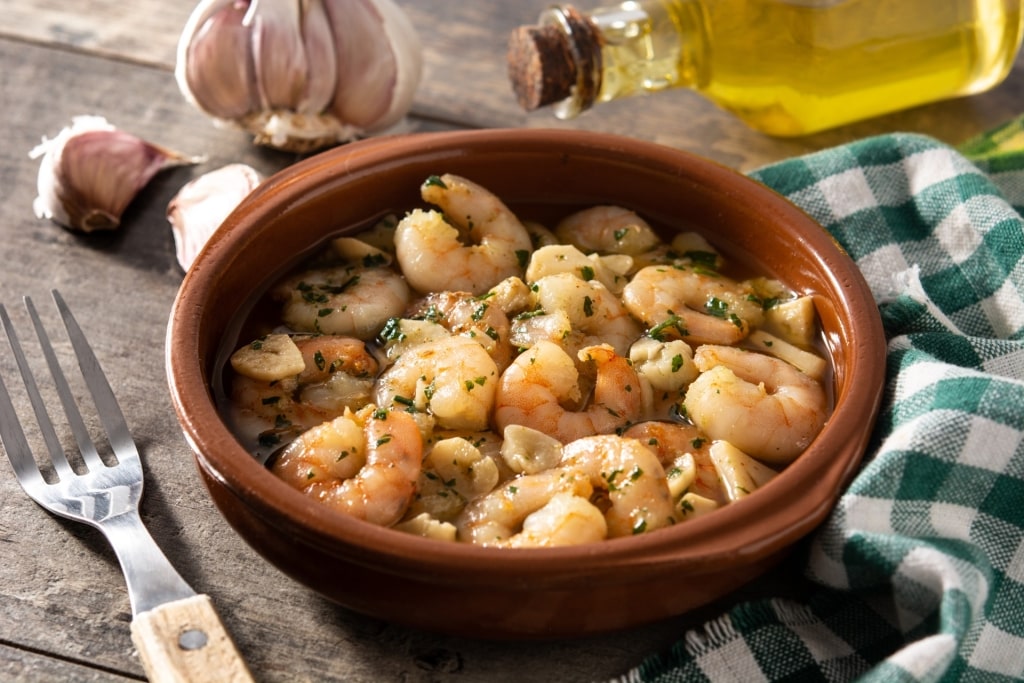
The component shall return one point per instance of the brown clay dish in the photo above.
(500, 593)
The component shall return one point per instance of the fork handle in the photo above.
(184, 641)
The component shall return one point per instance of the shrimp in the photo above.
(762, 405)
(470, 316)
(377, 487)
(566, 519)
(331, 451)
(453, 379)
(608, 230)
(631, 476)
(337, 373)
(346, 299)
(684, 452)
(434, 258)
(533, 392)
(495, 518)
(595, 315)
(700, 305)
(686, 249)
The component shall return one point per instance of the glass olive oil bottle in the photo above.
(786, 67)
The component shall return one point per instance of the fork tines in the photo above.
(11, 431)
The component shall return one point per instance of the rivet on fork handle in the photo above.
(185, 641)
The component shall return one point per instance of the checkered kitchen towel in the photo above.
(918, 575)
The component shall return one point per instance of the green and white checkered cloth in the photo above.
(918, 574)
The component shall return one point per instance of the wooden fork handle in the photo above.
(185, 642)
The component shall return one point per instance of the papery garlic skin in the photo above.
(300, 75)
(91, 171)
(199, 208)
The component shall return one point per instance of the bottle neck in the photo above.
(630, 48)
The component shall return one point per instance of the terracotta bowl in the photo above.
(497, 593)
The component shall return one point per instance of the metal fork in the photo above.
(176, 631)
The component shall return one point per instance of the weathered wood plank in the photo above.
(19, 666)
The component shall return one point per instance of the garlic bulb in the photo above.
(201, 206)
(91, 171)
(300, 74)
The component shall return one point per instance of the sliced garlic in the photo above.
(300, 75)
(270, 359)
(91, 171)
(201, 206)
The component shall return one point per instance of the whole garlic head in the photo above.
(300, 75)
(91, 171)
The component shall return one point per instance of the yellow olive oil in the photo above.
(792, 67)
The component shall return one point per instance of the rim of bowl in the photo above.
(770, 516)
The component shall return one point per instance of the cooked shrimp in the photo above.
(495, 518)
(540, 234)
(686, 249)
(345, 300)
(471, 316)
(631, 476)
(566, 519)
(595, 315)
(338, 373)
(431, 250)
(684, 452)
(703, 307)
(331, 451)
(453, 379)
(607, 230)
(762, 405)
(533, 392)
(391, 450)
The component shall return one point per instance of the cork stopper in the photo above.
(540, 66)
(556, 60)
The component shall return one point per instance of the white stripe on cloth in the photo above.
(926, 657)
(990, 445)
(999, 652)
(847, 193)
(929, 168)
(1004, 310)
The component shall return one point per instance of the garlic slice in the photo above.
(91, 171)
(300, 75)
(198, 209)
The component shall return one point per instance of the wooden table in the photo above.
(64, 612)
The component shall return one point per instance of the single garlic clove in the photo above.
(201, 206)
(219, 52)
(91, 171)
(359, 98)
(279, 54)
(319, 42)
(375, 86)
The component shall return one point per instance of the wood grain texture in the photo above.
(64, 612)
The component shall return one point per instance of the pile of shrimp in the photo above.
(465, 375)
